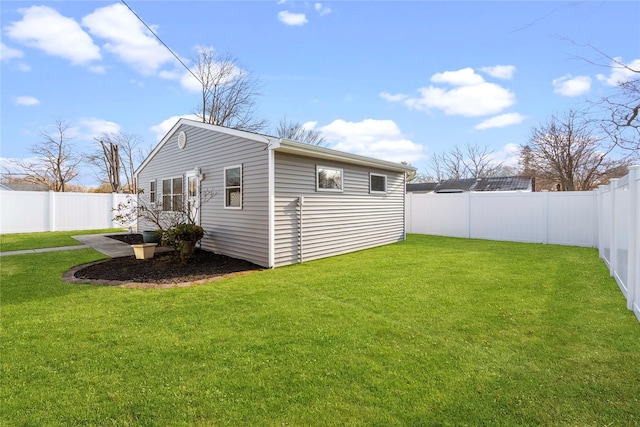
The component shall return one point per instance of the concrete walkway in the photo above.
(100, 242)
(37, 251)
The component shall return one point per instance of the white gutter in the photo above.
(308, 150)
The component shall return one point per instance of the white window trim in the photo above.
(371, 191)
(335, 190)
(224, 186)
(162, 194)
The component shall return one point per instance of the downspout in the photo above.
(300, 231)
(271, 205)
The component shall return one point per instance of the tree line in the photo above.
(570, 151)
(576, 150)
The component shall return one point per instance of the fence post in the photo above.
(632, 255)
(51, 208)
(600, 220)
(613, 256)
(545, 216)
(408, 213)
(114, 206)
(469, 213)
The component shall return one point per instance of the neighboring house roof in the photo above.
(283, 145)
(505, 183)
(422, 187)
(24, 187)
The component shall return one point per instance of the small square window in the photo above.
(377, 183)
(329, 179)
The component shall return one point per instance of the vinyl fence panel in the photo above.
(572, 218)
(507, 216)
(35, 211)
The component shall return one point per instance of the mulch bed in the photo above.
(131, 238)
(163, 268)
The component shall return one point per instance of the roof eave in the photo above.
(309, 150)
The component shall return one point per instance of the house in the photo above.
(503, 183)
(276, 202)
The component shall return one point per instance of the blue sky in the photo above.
(398, 80)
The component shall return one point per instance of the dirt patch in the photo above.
(162, 269)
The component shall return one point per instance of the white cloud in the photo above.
(380, 139)
(503, 120)
(88, 128)
(7, 53)
(572, 86)
(321, 9)
(162, 128)
(471, 95)
(294, 19)
(620, 74)
(27, 101)
(500, 71)
(463, 77)
(469, 101)
(44, 28)
(307, 126)
(508, 155)
(225, 72)
(127, 38)
(393, 98)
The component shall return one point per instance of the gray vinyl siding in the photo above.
(237, 233)
(333, 222)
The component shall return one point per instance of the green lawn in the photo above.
(51, 239)
(431, 331)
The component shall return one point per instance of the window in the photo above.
(377, 183)
(233, 187)
(329, 179)
(172, 194)
(152, 192)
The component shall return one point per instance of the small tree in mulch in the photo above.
(177, 227)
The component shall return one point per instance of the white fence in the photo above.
(619, 234)
(31, 211)
(607, 219)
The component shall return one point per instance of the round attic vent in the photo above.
(182, 140)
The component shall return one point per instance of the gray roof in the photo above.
(282, 145)
(504, 183)
(422, 187)
(25, 187)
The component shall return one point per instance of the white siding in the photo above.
(332, 223)
(237, 233)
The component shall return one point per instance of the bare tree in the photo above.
(56, 164)
(228, 92)
(435, 170)
(479, 162)
(618, 115)
(116, 157)
(472, 162)
(565, 151)
(453, 164)
(296, 131)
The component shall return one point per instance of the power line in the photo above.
(163, 43)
